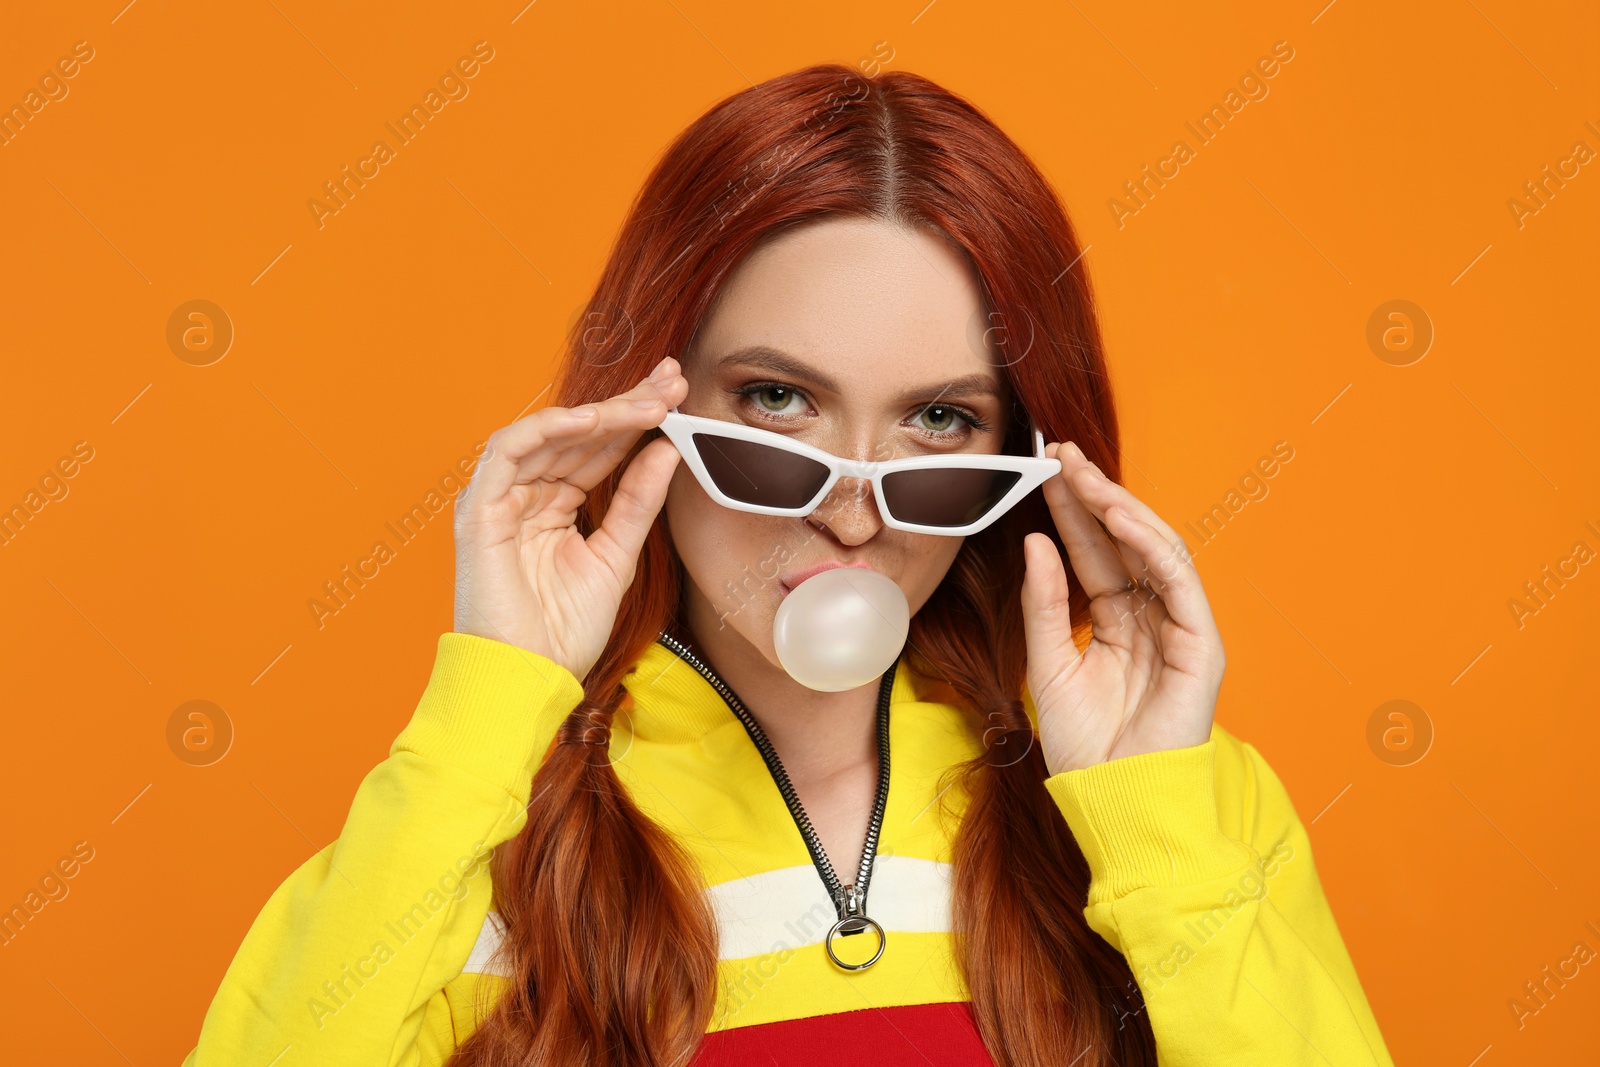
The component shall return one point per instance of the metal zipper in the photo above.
(849, 901)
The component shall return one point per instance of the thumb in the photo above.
(633, 510)
(1046, 615)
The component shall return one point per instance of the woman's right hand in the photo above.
(524, 574)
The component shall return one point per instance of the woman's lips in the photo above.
(795, 577)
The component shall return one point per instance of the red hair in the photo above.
(606, 976)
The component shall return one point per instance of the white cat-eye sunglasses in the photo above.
(750, 469)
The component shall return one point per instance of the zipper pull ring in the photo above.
(852, 920)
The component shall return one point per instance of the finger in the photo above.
(618, 422)
(1046, 615)
(588, 465)
(531, 446)
(1095, 560)
(1096, 492)
(498, 467)
(1099, 492)
(633, 510)
(1171, 575)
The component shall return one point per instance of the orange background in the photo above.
(372, 353)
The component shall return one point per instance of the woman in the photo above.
(695, 858)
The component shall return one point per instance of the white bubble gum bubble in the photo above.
(841, 629)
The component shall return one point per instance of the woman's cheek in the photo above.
(931, 557)
(773, 563)
(721, 555)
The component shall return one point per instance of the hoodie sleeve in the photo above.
(1201, 875)
(347, 960)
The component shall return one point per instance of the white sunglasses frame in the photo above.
(1034, 470)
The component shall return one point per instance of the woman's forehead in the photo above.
(859, 303)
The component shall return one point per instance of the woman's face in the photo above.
(864, 339)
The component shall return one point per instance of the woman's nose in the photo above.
(850, 511)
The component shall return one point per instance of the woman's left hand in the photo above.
(1148, 679)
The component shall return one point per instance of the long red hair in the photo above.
(604, 975)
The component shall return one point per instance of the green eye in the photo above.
(783, 392)
(940, 423)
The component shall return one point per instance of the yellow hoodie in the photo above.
(375, 950)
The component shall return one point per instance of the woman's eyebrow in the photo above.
(966, 385)
(779, 362)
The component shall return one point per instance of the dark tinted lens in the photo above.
(756, 474)
(945, 497)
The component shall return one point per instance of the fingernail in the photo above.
(1072, 450)
(660, 370)
(583, 412)
(645, 403)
